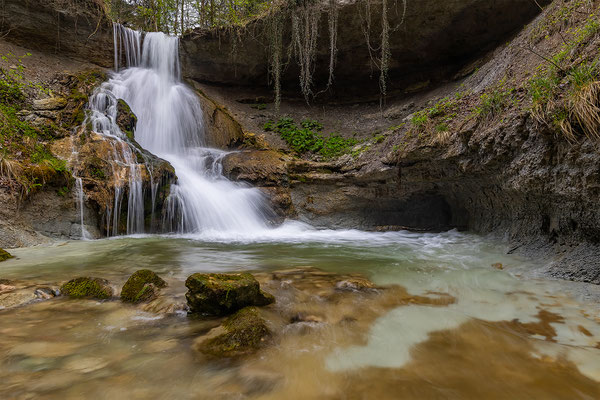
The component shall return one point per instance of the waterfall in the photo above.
(170, 125)
(80, 205)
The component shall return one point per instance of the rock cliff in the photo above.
(429, 41)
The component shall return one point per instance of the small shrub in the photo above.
(443, 127)
(307, 138)
(494, 102)
(420, 119)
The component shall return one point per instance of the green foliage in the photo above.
(42, 155)
(564, 91)
(63, 191)
(541, 88)
(178, 16)
(308, 138)
(97, 173)
(583, 74)
(27, 160)
(440, 113)
(494, 101)
(335, 146)
(420, 119)
(259, 107)
(378, 139)
(443, 127)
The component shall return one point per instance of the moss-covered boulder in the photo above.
(242, 333)
(126, 119)
(87, 288)
(143, 285)
(4, 255)
(222, 294)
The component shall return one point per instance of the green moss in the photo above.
(87, 288)
(4, 255)
(245, 332)
(141, 286)
(307, 138)
(126, 119)
(222, 294)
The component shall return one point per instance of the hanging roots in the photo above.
(275, 35)
(305, 16)
(305, 32)
(333, 34)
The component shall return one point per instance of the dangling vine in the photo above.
(275, 36)
(305, 32)
(384, 48)
(385, 51)
(333, 34)
(303, 17)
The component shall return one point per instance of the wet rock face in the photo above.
(343, 194)
(80, 29)
(87, 288)
(242, 333)
(222, 294)
(143, 285)
(429, 43)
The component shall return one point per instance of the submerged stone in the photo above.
(222, 294)
(242, 333)
(355, 285)
(143, 285)
(87, 288)
(45, 293)
(4, 255)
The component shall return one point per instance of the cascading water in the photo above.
(170, 126)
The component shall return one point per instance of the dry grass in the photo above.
(574, 115)
(10, 169)
(585, 111)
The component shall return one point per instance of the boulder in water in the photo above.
(143, 285)
(241, 334)
(222, 294)
(87, 288)
(4, 255)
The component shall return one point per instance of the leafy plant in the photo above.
(494, 102)
(307, 138)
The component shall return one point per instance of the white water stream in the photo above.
(170, 125)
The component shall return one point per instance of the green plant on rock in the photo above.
(493, 102)
(307, 138)
(335, 146)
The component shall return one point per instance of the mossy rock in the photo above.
(4, 255)
(222, 294)
(143, 285)
(126, 119)
(244, 333)
(87, 288)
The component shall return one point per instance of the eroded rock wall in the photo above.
(76, 29)
(429, 41)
